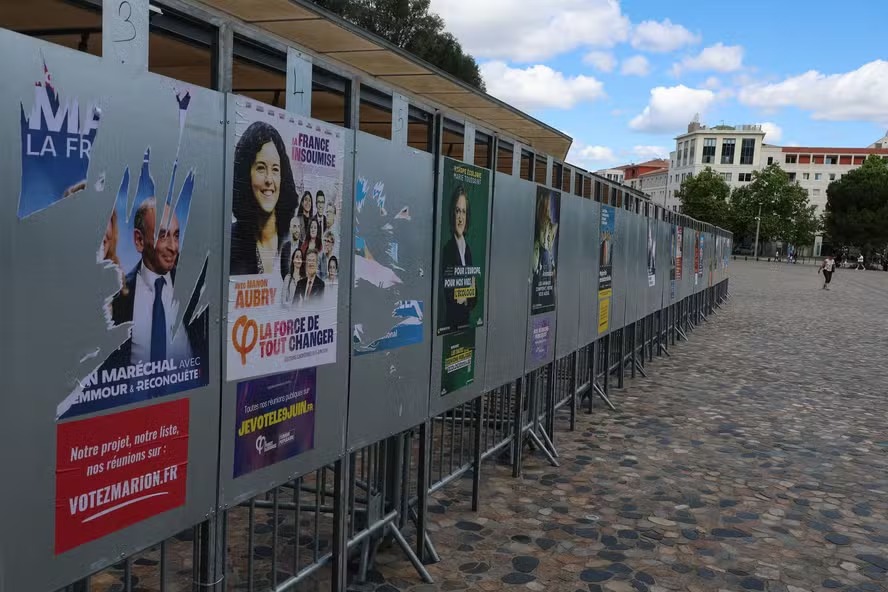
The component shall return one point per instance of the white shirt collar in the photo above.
(461, 247)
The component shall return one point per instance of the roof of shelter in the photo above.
(316, 29)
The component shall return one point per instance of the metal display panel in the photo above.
(664, 262)
(241, 473)
(633, 294)
(655, 292)
(621, 269)
(590, 225)
(392, 318)
(690, 237)
(97, 141)
(474, 339)
(570, 245)
(509, 279)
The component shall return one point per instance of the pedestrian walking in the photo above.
(827, 267)
(860, 262)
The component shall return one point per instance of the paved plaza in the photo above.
(755, 458)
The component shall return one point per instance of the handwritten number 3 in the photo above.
(129, 14)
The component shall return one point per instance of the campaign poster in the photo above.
(697, 261)
(166, 349)
(57, 135)
(652, 252)
(679, 249)
(275, 419)
(541, 337)
(545, 250)
(458, 361)
(673, 260)
(463, 246)
(285, 237)
(607, 231)
(116, 470)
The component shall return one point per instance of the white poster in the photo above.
(285, 240)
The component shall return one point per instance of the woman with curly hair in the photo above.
(264, 199)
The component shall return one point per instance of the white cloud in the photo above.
(600, 60)
(712, 83)
(773, 132)
(539, 86)
(591, 158)
(635, 66)
(859, 95)
(671, 108)
(650, 152)
(661, 37)
(528, 30)
(716, 58)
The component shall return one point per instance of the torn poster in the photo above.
(407, 332)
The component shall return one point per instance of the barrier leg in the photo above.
(573, 389)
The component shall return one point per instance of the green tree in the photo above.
(857, 208)
(785, 212)
(705, 197)
(409, 25)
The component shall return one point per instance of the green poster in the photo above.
(462, 246)
(458, 361)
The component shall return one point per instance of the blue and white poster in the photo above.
(57, 135)
(166, 350)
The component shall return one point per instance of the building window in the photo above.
(747, 151)
(708, 150)
(818, 176)
(792, 177)
(745, 177)
(728, 150)
(693, 148)
(832, 176)
(726, 177)
(684, 157)
(832, 159)
(770, 160)
(790, 159)
(806, 176)
(817, 192)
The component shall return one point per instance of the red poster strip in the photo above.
(116, 470)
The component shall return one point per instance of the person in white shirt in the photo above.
(860, 262)
(827, 267)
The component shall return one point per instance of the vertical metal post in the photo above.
(340, 533)
(223, 58)
(476, 477)
(573, 389)
(422, 489)
(622, 368)
(552, 372)
(518, 436)
(634, 346)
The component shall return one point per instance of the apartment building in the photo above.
(734, 152)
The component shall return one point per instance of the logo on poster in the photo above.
(244, 336)
(264, 445)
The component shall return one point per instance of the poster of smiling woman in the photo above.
(283, 268)
(463, 246)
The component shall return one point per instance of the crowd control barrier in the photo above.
(245, 346)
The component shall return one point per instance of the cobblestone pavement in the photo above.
(755, 458)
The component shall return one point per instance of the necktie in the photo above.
(158, 323)
(307, 289)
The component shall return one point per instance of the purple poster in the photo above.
(275, 419)
(539, 342)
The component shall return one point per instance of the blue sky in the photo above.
(624, 78)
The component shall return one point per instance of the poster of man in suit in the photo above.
(463, 246)
(167, 349)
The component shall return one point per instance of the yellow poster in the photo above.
(604, 300)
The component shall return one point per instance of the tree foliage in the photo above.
(785, 213)
(409, 25)
(857, 207)
(705, 197)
